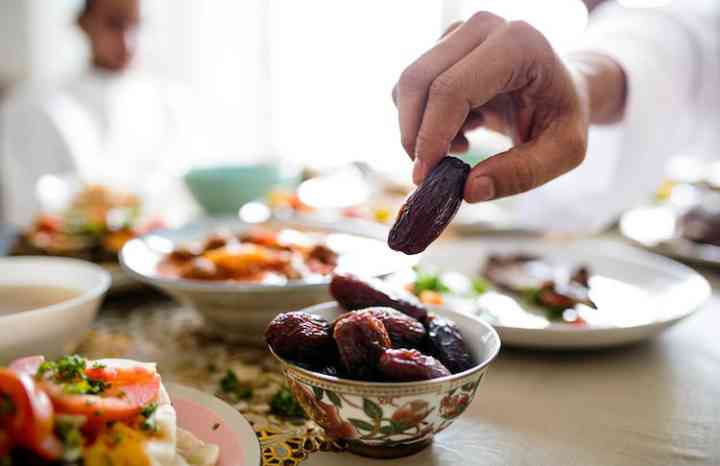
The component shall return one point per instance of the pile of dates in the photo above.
(386, 336)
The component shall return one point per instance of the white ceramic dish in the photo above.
(655, 228)
(390, 420)
(638, 294)
(52, 330)
(214, 421)
(241, 311)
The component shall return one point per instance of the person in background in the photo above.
(111, 123)
(647, 79)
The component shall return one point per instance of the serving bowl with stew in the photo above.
(47, 304)
(240, 275)
(391, 419)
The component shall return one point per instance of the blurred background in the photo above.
(226, 84)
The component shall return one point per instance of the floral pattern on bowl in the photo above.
(389, 420)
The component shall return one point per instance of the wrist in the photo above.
(603, 81)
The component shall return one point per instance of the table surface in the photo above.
(656, 403)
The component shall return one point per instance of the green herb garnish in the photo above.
(70, 371)
(230, 385)
(149, 423)
(67, 429)
(6, 461)
(283, 403)
(427, 281)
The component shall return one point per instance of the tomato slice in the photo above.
(131, 388)
(28, 365)
(29, 420)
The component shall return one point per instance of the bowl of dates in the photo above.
(378, 379)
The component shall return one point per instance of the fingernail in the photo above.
(419, 170)
(481, 189)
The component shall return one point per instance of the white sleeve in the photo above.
(671, 59)
(31, 145)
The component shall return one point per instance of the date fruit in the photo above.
(404, 331)
(361, 339)
(355, 293)
(300, 336)
(429, 210)
(447, 344)
(409, 365)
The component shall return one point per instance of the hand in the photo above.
(504, 76)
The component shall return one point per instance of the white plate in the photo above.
(241, 311)
(638, 294)
(655, 228)
(214, 421)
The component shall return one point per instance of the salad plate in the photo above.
(634, 295)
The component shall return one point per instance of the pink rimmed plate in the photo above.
(214, 421)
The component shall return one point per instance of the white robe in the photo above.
(671, 56)
(122, 129)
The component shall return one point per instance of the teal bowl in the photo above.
(223, 189)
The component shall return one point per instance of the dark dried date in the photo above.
(355, 293)
(300, 336)
(429, 210)
(361, 339)
(404, 331)
(409, 365)
(447, 344)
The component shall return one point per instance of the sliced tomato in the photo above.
(30, 424)
(28, 365)
(130, 390)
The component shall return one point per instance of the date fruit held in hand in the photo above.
(447, 344)
(430, 208)
(361, 339)
(355, 293)
(300, 336)
(408, 365)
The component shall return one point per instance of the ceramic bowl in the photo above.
(241, 311)
(52, 330)
(390, 420)
(223, 189)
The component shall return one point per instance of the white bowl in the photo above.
(385, 419)
(55, 329)
(241, 311)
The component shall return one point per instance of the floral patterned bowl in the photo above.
(390, 420)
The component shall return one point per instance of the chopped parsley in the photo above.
(64, 369)
(7, 407)
(6, 461)
(67, 429)
(283, 403)
(230, 385)
(70, 372)
(149, 422)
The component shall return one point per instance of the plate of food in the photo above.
(546, 294)
(94, 225)
(687, 232)
(240, 275)
(382, 380)
(73, 411)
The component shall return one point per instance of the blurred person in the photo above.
(647, 80)
(112, 122)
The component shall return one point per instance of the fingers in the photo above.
(522, 168)
(414, 84)
(502, 63)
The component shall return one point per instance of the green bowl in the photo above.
(224, 189)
